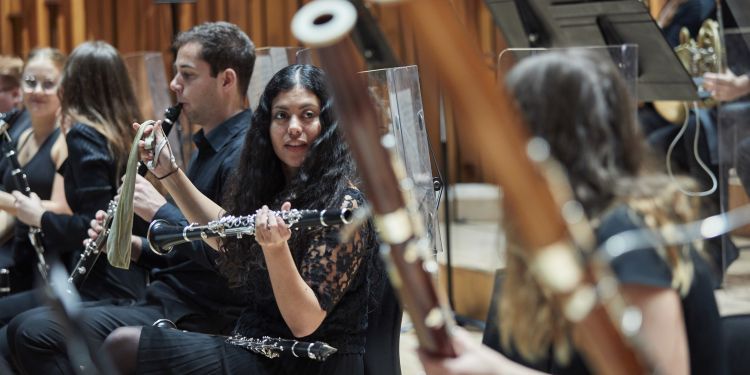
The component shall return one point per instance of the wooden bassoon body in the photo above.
(496, 126)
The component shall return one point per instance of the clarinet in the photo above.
(274, 347)
(269, 346)
(9, 150)
(162, 236)
(94, 248)
(6, 117)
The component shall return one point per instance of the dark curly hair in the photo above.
(259, 180)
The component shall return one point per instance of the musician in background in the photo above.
(594, 136)
(40, 151)
(97, 99)
(296, 283)
(11, 96)
(213, 67)
(11, 104)
(730, 88)
(661, 133)
(10, 83)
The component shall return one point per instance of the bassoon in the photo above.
(325, 25)
(22, 183)
(555, 261)
(542, 227)
(94, 248)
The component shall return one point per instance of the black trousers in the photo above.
(14, 304)
(37, 342)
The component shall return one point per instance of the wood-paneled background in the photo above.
(147, 25)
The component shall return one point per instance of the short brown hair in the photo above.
(11, 68)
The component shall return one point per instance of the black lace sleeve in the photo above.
(328, 266)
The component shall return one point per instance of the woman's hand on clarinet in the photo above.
(270, 230)
(28, 209)
(155, 150)
(96, 226)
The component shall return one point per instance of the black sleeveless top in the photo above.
(40, 174)
(343, 290)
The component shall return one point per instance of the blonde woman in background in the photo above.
(40, 151)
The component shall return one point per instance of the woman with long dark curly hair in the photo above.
(301, 284)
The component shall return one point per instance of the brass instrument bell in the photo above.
(698, 56)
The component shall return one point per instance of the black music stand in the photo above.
(577, 23)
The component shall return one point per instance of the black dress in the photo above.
(646, 267)
(343, 291)
(40, 174)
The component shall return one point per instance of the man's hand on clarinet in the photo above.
(146, 199)
(155, 151)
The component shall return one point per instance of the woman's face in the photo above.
(295, 124)
(40, 81)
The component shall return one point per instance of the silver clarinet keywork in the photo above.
(93, 250)
(275, 347)
(162, 236)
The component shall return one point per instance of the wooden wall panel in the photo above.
(10, 38)
(143, 25)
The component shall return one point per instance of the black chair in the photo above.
(383, 335)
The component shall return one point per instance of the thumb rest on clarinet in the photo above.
(162, 236)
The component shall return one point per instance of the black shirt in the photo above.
(186, 281)
(91, 180)
(40, 174)
(646, 267)
(343, 290)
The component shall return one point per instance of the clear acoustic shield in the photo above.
(398, 99)
(268, 61)
(307, 56)
(730, 152)
(624, 57)
(151, 85)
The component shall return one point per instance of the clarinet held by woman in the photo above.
(162, 236)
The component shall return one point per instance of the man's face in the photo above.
(195, 88)
(10, 96)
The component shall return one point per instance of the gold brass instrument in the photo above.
(698, 56)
